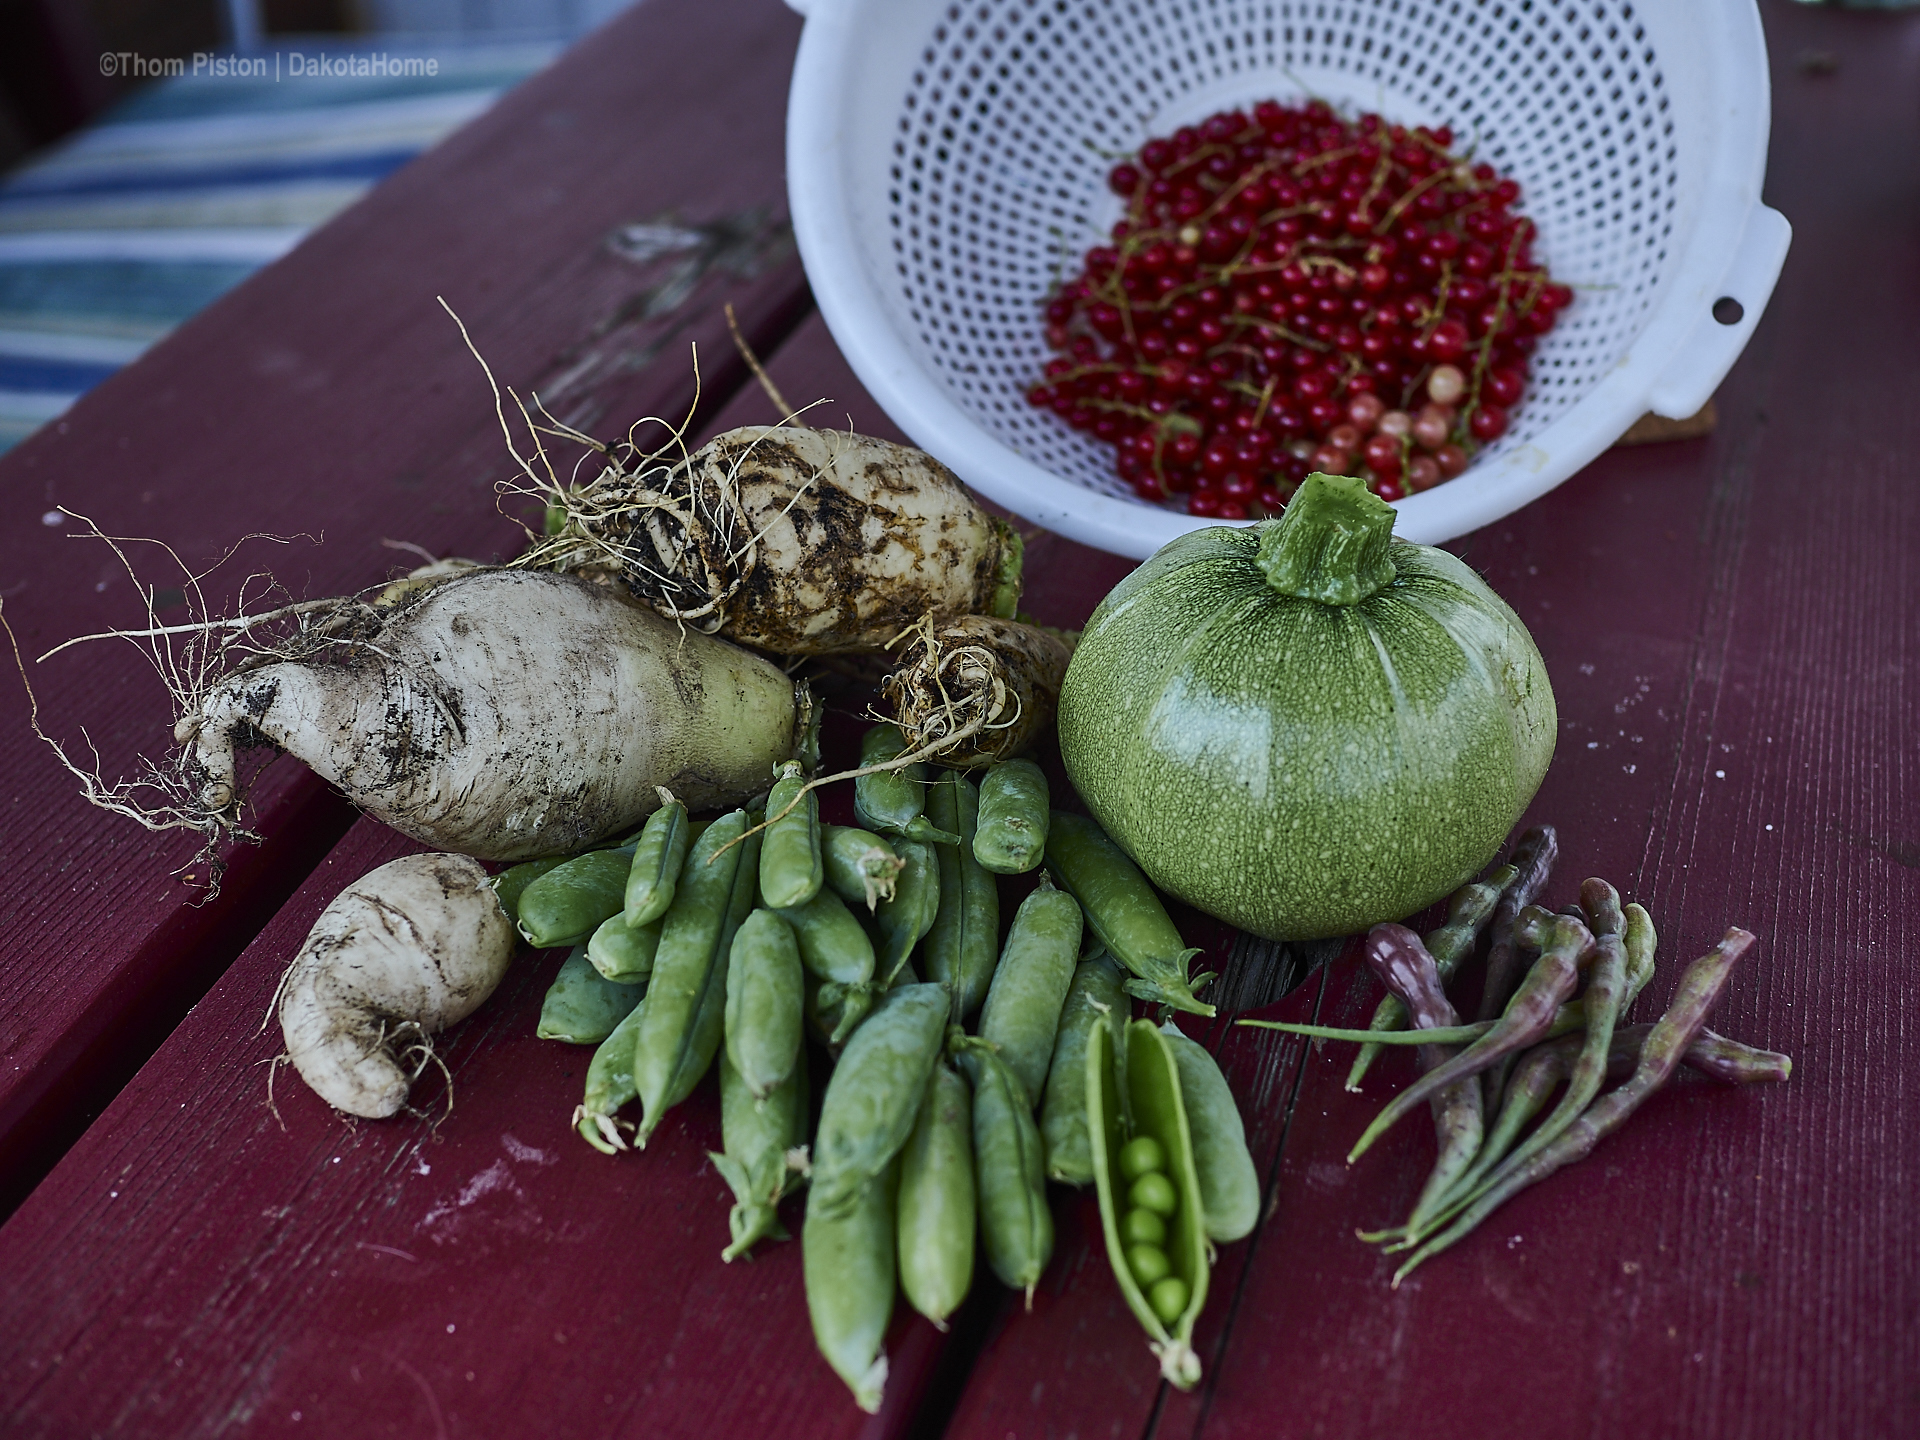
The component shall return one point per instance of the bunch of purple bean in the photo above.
(1486, 1081)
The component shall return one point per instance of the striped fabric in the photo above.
(178, 194)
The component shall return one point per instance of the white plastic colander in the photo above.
(947, 163)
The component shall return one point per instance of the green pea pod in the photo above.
(1012, 835)
(1016, 1227)
(910, 914)
(1123, 911)
(848, 1261)
(894, 801)
(581, 1007)
(682, 1018)
(964, 942)
(833, 944)
(511, 883)
(1095, 998)
(834, 1010)
(610, 1085)
(624, 953)
(761, 1163)
(567, 904)
(936, 1205)
(860, 867)
(1153, 1097)
(658, 857)
(1022, 1015)
(764, 999)
(1229, 1185)
(871, 1101)
(891, 799)
(791, 866)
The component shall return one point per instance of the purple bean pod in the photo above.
(1533, 857)
(1665, 1045)
(1409, 970)
(1566, 945)
(1467, 915)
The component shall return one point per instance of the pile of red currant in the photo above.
(1292, 292)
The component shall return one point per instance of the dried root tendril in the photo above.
(681, 538)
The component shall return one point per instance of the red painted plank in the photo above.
(330, 395)
(198, 1263)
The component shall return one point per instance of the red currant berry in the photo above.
(1488, 423)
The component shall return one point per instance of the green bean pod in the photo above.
(1154, 1100)
(910, 914)
(759, 1165)
(1012, 834)
(610, 1084)
(621, 952)
(566, 905)
(1095, 997)
(511, 883)
(791, 866)
(1016, 1227)
(658, 857)
(964, 942)
(1123, 911)
(764, 999)
(1229, 1185)
(1022, 1014)
(936, 1206)
(834, 1010)
(682, 1018)
(874, 1095)
(848, 1261)
(860, 867)
(581, 1007)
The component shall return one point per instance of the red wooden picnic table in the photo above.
(1728, 622)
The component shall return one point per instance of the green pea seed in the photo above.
(1154, 1192)
(1168, 1298)
(581, 1007)
(1143, 1227)
(658, 857)
(791, 868)
(1012, 834)
(1150, 1265)
(1142, 1155)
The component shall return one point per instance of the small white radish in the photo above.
(403, 952)
(506, 714)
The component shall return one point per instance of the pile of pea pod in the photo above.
(1487, 1081)
(966, 1072)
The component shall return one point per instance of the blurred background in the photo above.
(154, 153)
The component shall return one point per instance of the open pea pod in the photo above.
(1152, 1107)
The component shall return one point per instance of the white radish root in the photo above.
(503, 714)
(796, 541)
(403, 952)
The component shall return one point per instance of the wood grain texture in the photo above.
(200, 1265)
(331, 397)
